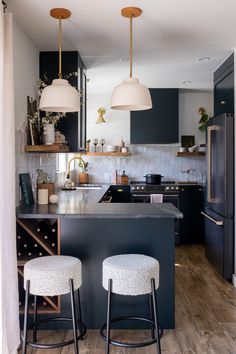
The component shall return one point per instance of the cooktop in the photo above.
(143, 182)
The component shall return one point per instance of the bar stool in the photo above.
(53, 276)
(132, 274)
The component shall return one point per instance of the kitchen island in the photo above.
(93, 231)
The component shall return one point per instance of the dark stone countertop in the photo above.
(85, 204)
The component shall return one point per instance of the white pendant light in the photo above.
(131, 95)
(60, 96)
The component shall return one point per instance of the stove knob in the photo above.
(142, 188)
(137, 188)
(172, 188)
(133, 188)
(177, 188)
(167, 188)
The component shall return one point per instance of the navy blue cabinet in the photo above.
(224, 87)
(159, 125)
(74, 124)
(191, 205)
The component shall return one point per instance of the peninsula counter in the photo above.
(93, 231)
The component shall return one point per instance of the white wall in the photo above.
(189, 102)
(26, 73)
(118, 122)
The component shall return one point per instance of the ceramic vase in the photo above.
(49, 134)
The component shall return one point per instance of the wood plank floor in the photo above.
(205, 314)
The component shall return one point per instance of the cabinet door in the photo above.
(73, 125)
(224, 87)
(159, 125)
(224, 95)
(191, 205)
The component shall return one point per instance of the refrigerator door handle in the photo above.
(210, 129)
(217, 222)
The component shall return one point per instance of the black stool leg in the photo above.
(155, 315)
(79, 314)
(26, 317)
(35, 319)
(108, 316)
(151, 313)
(73, 316)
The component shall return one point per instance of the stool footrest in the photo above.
(131, 345)
(39, 345)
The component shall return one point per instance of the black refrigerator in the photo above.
(219, 210)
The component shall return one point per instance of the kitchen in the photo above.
(143, 158)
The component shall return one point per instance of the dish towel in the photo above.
(156, 198)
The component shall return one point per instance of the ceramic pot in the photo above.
(153, 179)
(83, 177)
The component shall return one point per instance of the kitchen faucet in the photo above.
(77, 157)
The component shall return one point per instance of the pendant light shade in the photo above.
(60, 96)
(131, 95)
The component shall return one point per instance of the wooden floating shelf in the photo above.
(47, 148)
(190, 154)
(108, 153)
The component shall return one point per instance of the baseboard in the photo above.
(234, 280)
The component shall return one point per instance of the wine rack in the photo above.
(37, 238)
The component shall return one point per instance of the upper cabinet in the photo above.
(224, 87)
(73, 126)
(159, 125)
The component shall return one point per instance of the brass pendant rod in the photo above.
(131, 47)
(60, 47)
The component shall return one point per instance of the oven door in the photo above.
(140, 198)
(171, 198)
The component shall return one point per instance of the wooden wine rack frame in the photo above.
(29, 227)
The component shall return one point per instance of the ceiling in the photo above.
(169, 38)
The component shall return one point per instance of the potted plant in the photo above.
(83, 176)
(203, 120)
(43, 182)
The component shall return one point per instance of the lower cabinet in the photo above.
(36, 238)
(191, 205)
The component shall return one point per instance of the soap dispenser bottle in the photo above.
(124, 179)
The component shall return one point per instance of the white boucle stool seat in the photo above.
(50, 275)
(131, 274)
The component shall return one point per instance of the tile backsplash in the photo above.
(28, 163)
(148, 159)
(144, 159)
